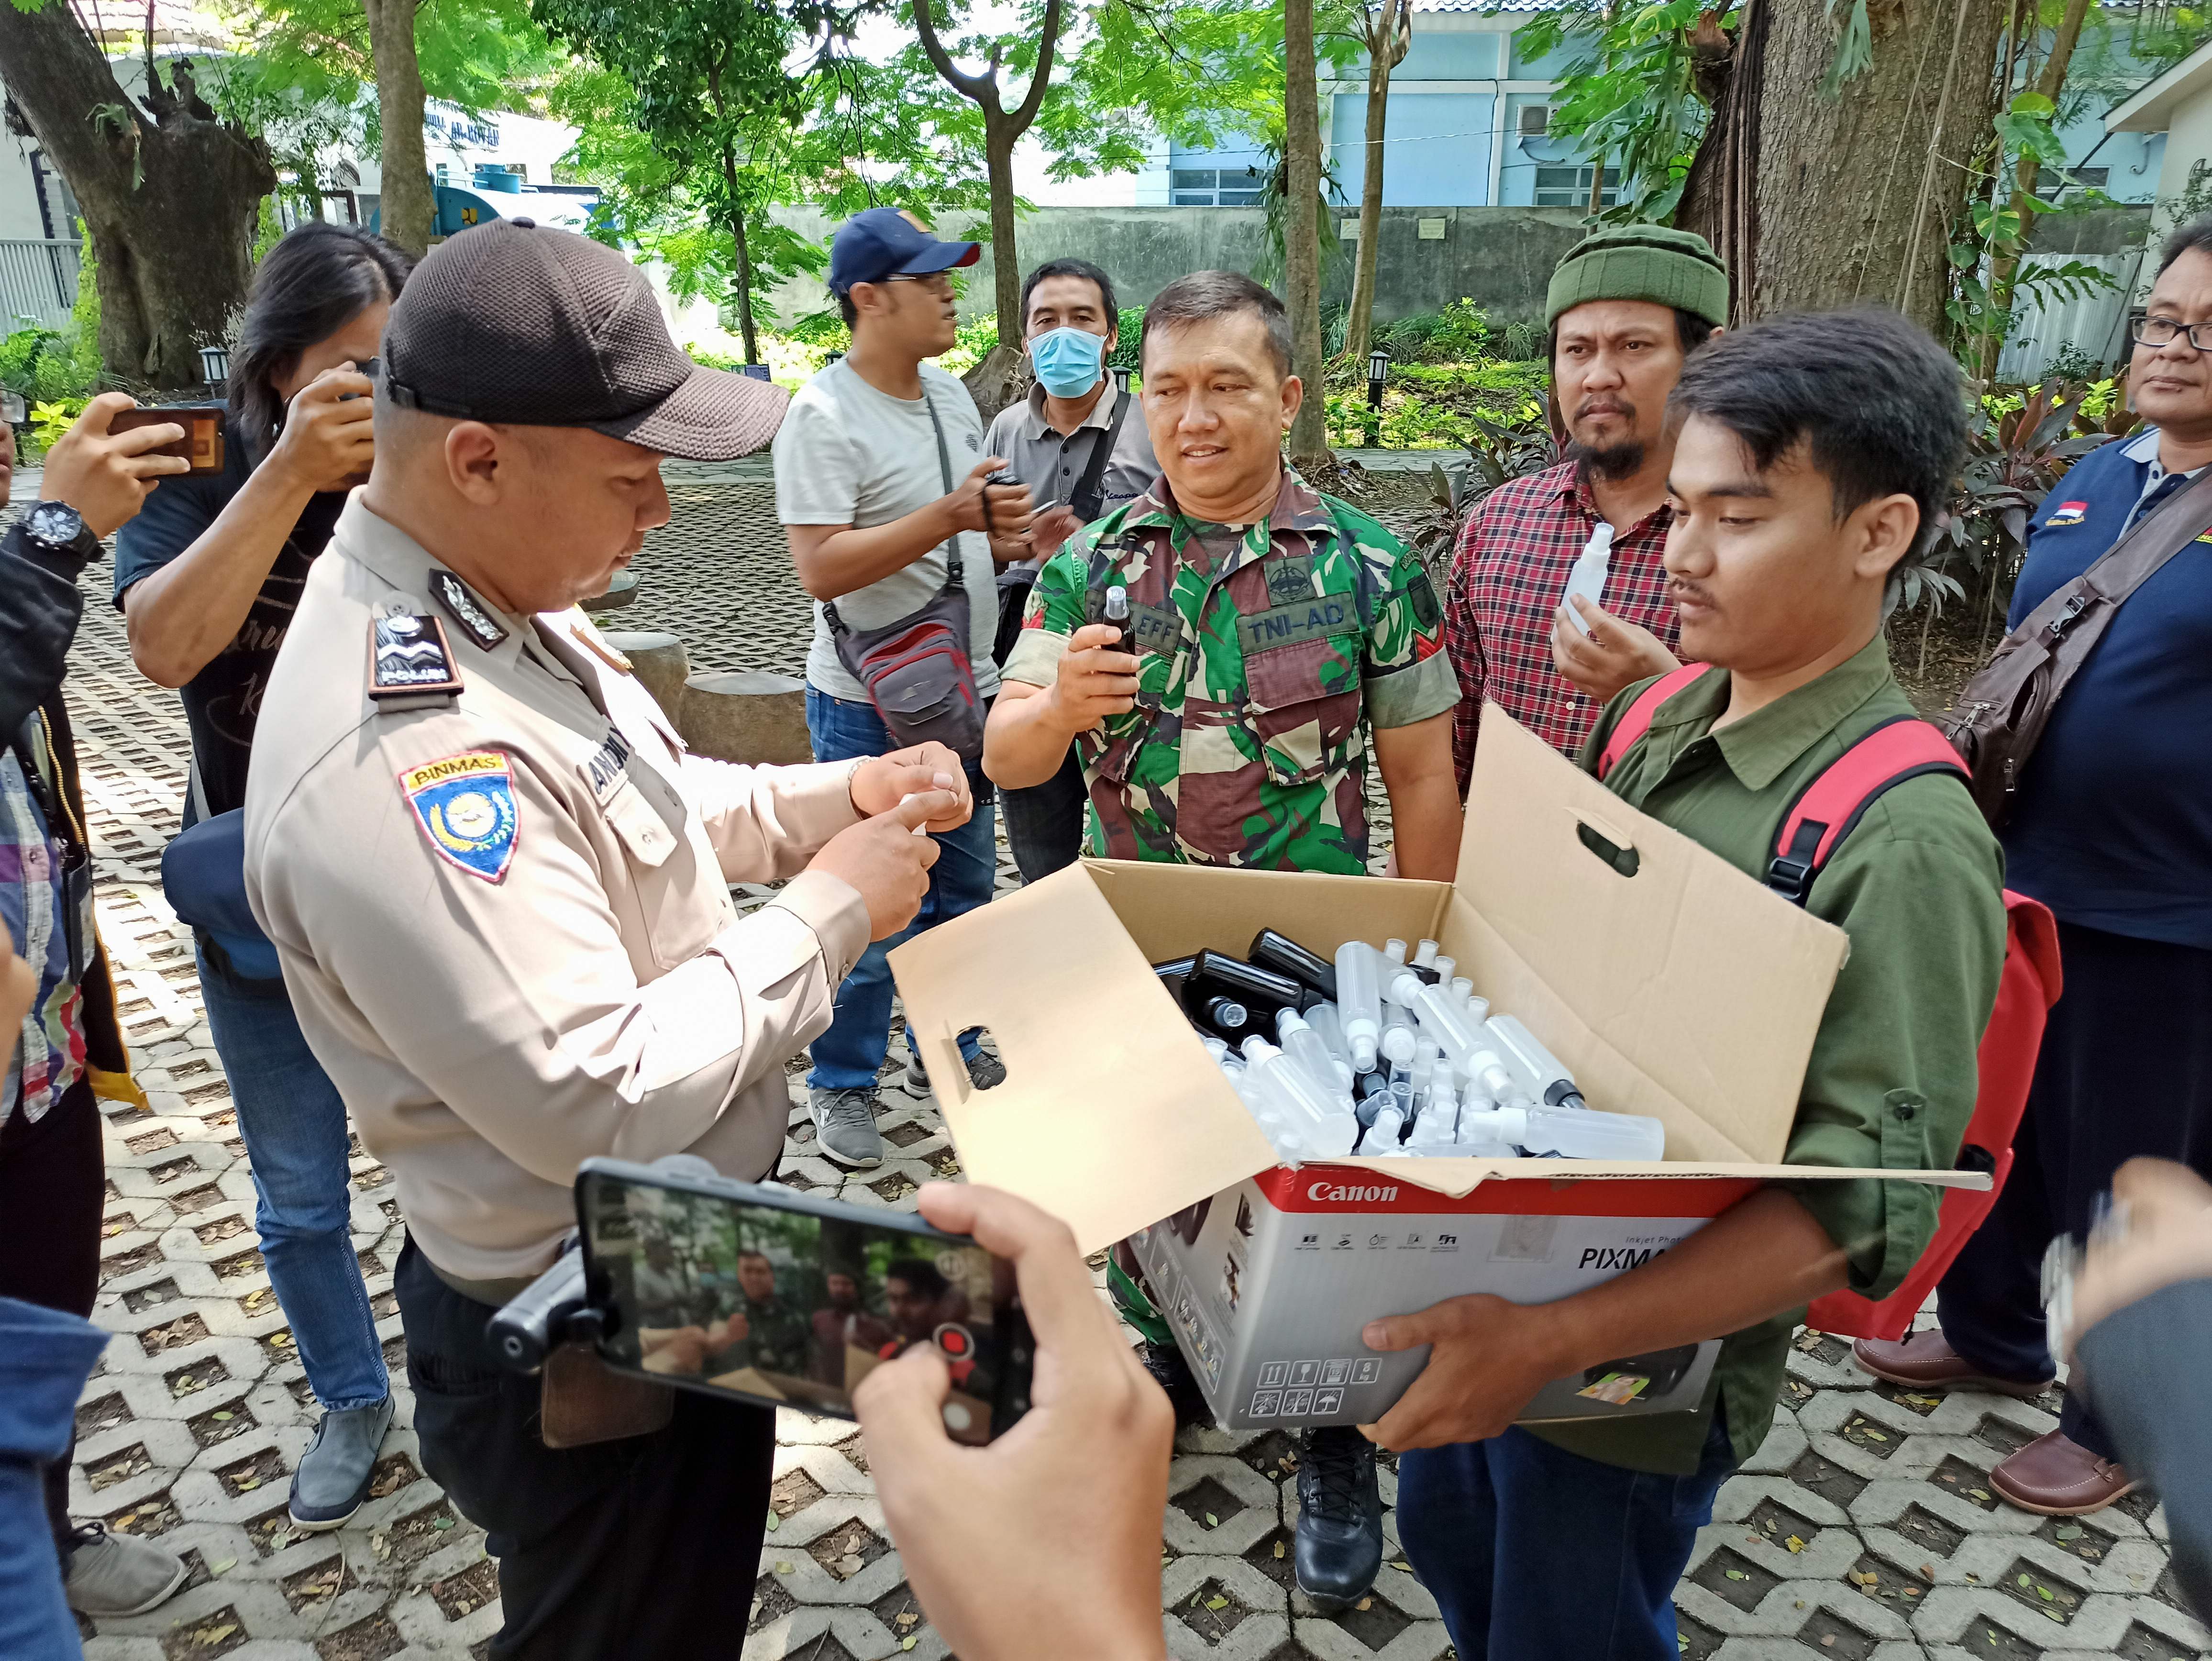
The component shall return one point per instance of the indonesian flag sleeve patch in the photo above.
(465, 805)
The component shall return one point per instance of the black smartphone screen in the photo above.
(755, 1292)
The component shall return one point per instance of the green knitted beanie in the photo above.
(1642, 261)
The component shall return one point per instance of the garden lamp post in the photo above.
(1378, 366)
(215, 366)
(1121, 379)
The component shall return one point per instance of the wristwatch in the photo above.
(61, 530)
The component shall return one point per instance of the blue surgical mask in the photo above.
(1068, 360)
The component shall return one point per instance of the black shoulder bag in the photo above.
(917, 670)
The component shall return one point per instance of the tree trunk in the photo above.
(1386, 48)
(407, 208)
(2004, 267)
(169, 207)
(999, 135)
(1302, 234)
(744, 276)
(1849, 198)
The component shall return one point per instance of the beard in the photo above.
(1608, 461)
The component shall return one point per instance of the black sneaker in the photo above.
(986, 1072)
(1169, 1370)
(1340, 1538)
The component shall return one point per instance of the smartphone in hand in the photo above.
(764, 1294)
(202, 444)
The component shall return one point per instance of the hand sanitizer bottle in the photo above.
(1534, 1068)
(1588, 576)
(1573, 1133)
(1329, 1130)
(1304, 1046)
(1359, 1002)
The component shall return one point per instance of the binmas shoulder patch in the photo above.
(465, 805)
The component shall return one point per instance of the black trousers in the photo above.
(1044, 822)
(2126, 1069)
(631, 1550)
(52, 1190)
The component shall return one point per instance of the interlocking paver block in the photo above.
(718, 578)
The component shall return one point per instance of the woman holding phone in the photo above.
(207, 578)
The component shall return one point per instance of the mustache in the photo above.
(1604, 404)
(1680, 587)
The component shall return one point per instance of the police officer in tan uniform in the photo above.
(499, 887)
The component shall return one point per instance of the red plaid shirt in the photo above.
(1507, 577)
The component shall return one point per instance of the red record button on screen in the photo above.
(954, 1341)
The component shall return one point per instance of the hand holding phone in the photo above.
(1061, 1512)
(328, 442)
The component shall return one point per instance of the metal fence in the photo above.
(2095, 325)
(38, 281)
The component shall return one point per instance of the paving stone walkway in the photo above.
(1864, 1529)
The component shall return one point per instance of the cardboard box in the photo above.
(1669, 982)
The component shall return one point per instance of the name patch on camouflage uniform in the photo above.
(1155, 627)
(1315, 619)
(465, 805)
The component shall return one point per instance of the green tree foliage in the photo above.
(694, 113)
(306, 79)
(1629, 89)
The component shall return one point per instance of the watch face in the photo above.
(55, 523)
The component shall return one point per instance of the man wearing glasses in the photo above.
(2113, 830)
(880, 484)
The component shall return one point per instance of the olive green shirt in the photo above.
(1919, 887)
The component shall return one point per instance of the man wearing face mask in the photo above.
(1083, 451)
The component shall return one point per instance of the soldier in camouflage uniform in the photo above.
(1263, 654)
(1270, 630)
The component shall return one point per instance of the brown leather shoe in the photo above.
(1925, 1360)
(2059, 1478)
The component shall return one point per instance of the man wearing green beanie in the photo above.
(1626, 306)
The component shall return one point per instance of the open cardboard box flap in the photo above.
(1669, 983)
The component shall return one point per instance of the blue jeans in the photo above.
(851, 1053)
(1535, 1553)
(294, 1127)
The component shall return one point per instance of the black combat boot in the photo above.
(1339, 1543)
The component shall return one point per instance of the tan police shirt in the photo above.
(505, 920)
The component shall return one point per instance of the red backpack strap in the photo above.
(1901, 748)
(1636, 720)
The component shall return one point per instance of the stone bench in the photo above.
(662, 665)
(620, 592)
(745, 714)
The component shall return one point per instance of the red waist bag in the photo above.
(1813, 825)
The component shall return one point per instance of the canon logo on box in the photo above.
(1342, 1195)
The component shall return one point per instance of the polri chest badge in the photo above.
(409, 664)
(466, 609)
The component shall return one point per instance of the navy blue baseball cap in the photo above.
(884, 242)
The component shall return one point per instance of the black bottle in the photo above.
(1261, 990)
(1284, 956)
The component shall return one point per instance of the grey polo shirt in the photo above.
(1052, 465)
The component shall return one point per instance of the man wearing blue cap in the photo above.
(880, 482)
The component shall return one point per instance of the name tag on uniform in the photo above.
(1297, 623)
(1155, 627)
(465, 805)
(605, 769)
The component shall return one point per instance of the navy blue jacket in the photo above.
(2112, 828)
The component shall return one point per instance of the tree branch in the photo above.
(983, 90)
(1048, 37)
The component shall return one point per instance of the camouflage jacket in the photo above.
(1258, 679)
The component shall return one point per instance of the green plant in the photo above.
(53, 418)
(43, 364)
(2025, 443)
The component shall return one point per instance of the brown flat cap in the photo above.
(515, 322)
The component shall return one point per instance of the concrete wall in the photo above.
(1500, 258)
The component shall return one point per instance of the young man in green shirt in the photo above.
(1809, 452)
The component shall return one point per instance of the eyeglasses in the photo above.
(2164, 332)
(936, 282)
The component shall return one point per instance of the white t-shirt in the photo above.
(850, 454)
